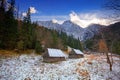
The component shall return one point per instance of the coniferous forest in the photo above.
(23, 34)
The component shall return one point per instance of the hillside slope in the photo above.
(53, 39)
(111, 35)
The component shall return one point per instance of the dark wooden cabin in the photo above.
(75, 53)
(53, 55)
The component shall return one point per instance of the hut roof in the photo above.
(78, 51)
(55, 53)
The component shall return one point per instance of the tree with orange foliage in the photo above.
(104, 49)
(102, 46)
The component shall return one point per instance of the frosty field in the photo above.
(31, 67)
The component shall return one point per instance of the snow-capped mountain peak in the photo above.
(71, 28)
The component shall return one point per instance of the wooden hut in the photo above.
(53, 55)
(75, 53)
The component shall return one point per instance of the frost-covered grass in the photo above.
(31, 66)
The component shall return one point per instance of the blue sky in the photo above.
(59, 9)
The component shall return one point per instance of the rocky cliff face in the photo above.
(72, 29)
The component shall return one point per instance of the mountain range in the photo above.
(72, 29)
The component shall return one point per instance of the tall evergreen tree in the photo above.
(27, 18)
(9, 31)
(2, 6)
(27, 32)
(11, 9)
(55, 39)
(2, 23)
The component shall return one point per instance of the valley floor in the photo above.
(31, 67)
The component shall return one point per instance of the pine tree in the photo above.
(27, 18)
(9, 31)
(27, 32)
(79, 45)
(11, 10)
(2, 22)
(38, 47)
(55, 40)
(2, 6)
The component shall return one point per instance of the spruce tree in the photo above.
(9, 31)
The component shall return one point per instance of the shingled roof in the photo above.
(78, 51)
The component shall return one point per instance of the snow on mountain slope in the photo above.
(72, 29)
(91, 30)
(50, 25)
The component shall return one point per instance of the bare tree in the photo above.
(114, 7)
(105, 49)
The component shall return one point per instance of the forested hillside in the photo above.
(111, 36)
(23, 34)
(53, 39)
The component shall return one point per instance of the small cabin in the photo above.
(75, 53)
(53, 55)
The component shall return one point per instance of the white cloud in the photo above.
(24, 14)
(81, 19)
(33, 10)
(58, 18)
(60, 21)
(54, 21)
(57, 21)
(85, 20)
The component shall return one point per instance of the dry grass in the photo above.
(66, 52)
(29, 51)
(13, 53)
(82, 72)
(81, 63)
(8, 54)
(89, 62)
(91, 57)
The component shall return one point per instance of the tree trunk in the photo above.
(108, 61)
(110, 67)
